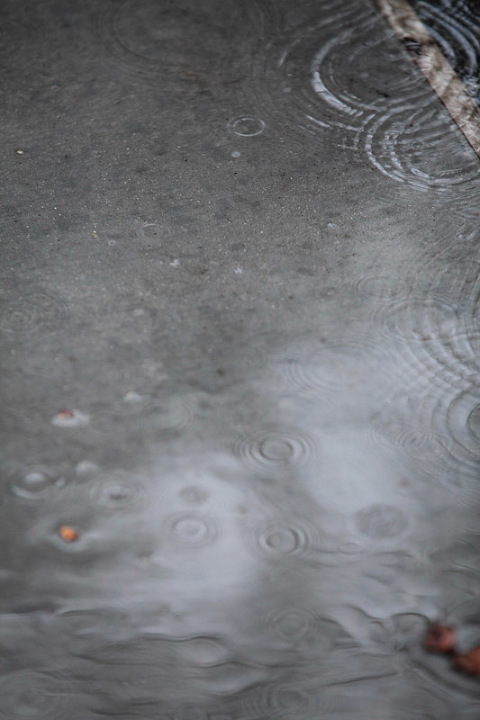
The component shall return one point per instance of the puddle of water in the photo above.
(240, 322)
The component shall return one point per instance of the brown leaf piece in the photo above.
(468, 662)
(440, 639)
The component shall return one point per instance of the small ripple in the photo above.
(463, 431)
(450, 360)
(190, 529)
(335, 366)
(289, 699)
(167, 418)
(149, 232)
(116, 490)
(293, 624)
(37, 312)
(377, 287)
(246, 126)
(36, 482)
(203, 650)
(283, 699)
(381, 522)
(404, 433)
(275, 449)
(419, 319)
(26, 694)
(279, 539)
(194, 495)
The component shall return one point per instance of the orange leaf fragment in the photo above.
(68, 533)
(440, 639)
(468, 662)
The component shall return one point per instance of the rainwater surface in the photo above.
(240, 335)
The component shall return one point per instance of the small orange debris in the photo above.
(468, 662)
(68, 533)
(440, 639)
(65, 414)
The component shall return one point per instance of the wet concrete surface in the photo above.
(455, 27)
(240, 349)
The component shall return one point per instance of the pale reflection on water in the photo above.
(288, 569)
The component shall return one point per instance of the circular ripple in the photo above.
(327, 74)
(419, 319)
(335, 367)
(405, 433)
(345, 74)
(463, 424)
(247, 126)
(26, 694)
(381, 522)
(407, 146)
(281, 700)
(203, 651)
(292, 625)
(458, 463)
(451, 360)
(286, 539)
(191, 529)
(184, 40)
(36, 312)
(377, 287)
(274, 450)
(289, 699)
(36, 483)
(164, 419)
(455, 30)
(150, 232)
(117, 490)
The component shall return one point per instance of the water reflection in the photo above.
(263, 578)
